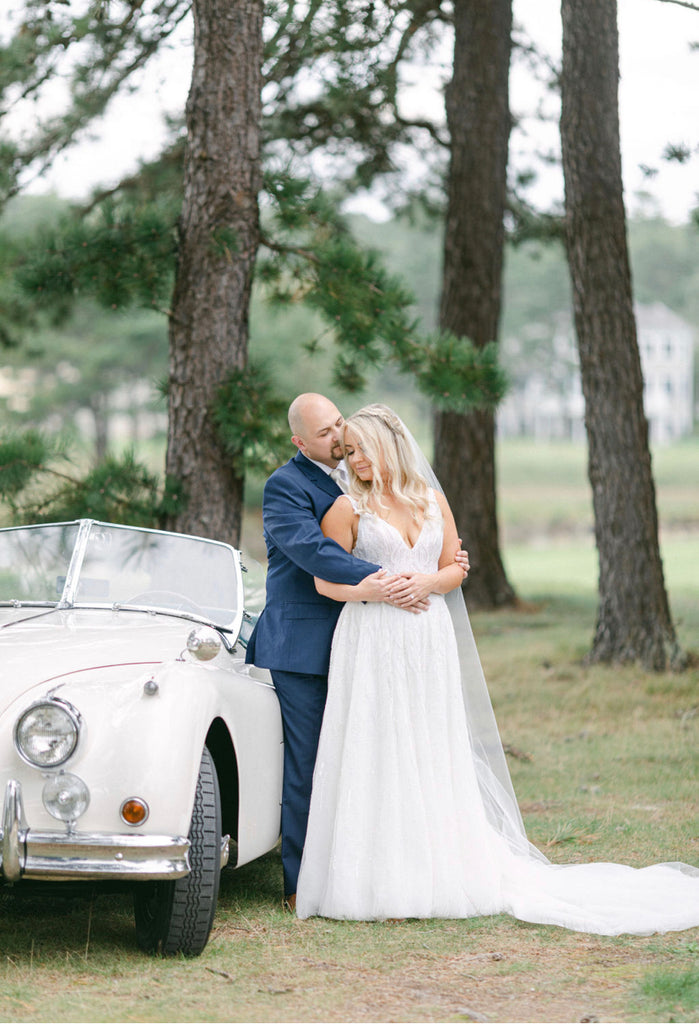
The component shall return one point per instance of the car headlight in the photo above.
(46, 734)
(204, 643)
(66, 797)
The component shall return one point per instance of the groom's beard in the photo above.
(336, 453)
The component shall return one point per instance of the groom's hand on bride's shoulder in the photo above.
(461, 558)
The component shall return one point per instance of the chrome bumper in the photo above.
(53, 856)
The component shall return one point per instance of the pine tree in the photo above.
(634, 621)
(366, 49)
(478, 118)
(122, 247)
(218, 241)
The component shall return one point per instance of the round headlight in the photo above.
(47, 733)
(204, 643)
(65, 796)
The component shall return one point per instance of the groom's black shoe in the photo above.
(289, 903)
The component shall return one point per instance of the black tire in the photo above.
(177, 917)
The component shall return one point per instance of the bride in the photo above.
(412, 810)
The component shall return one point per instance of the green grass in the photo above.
(669, 995)
(547, 525)
(543, 488)
(570, 567)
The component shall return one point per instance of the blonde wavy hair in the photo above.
(383, 438)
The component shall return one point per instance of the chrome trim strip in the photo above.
(76, 563)
(13, 830)
(225, 840)
(53, 856)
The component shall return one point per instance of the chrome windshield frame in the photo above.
(67, 599)
(76, 562)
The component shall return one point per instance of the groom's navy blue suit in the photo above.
(293, 635)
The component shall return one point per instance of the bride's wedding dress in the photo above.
(405, 818)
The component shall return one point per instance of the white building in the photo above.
(667, 360)
(548, 403)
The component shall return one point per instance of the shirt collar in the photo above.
(321, 465)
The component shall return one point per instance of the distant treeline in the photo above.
(77, 365)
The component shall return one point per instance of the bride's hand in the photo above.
(380, 586)
(412, 588)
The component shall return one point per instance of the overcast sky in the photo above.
(658, 92)
(658, 105)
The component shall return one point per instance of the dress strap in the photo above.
(434, 509)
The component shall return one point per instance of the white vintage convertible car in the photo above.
(135, 745)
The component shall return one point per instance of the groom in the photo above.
(294, 633)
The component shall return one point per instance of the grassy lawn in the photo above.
(547, 569)
(547, 525)
(604, 762)
(543, 488)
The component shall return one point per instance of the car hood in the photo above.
(39, 646)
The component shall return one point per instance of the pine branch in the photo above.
(116, 50)
(681, 3)
(295, 51)
(289, 250)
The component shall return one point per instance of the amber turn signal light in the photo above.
(134, 811)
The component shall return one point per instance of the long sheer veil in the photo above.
(490, 762)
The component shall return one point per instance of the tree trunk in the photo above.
(219, 231)
(98, 405)
(634, 621)
(478, 118)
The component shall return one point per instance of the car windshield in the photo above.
(94, 564)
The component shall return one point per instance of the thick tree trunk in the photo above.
(478, 117)
(634, 620)
(219, 232)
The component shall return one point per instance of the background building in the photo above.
(546, 400)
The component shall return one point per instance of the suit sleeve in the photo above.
(290, 523)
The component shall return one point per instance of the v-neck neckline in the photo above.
(409, 546)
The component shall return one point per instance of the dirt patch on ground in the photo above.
(490, 986)
(527, 976)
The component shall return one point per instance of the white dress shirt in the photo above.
(339, 474)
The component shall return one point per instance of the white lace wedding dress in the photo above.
(398, 823)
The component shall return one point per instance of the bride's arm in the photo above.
(452, 572)
(340, 524)
(418, 586)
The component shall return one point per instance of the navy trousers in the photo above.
(302, 702)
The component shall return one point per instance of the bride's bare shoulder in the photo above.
(345, 506)
(340, 513)
(339, 522)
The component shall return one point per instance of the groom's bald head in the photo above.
(307, 408)
(315, 424)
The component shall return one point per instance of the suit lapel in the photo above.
(317, 476)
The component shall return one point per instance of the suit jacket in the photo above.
(294, 631)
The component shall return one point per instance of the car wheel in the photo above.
(176, 917)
